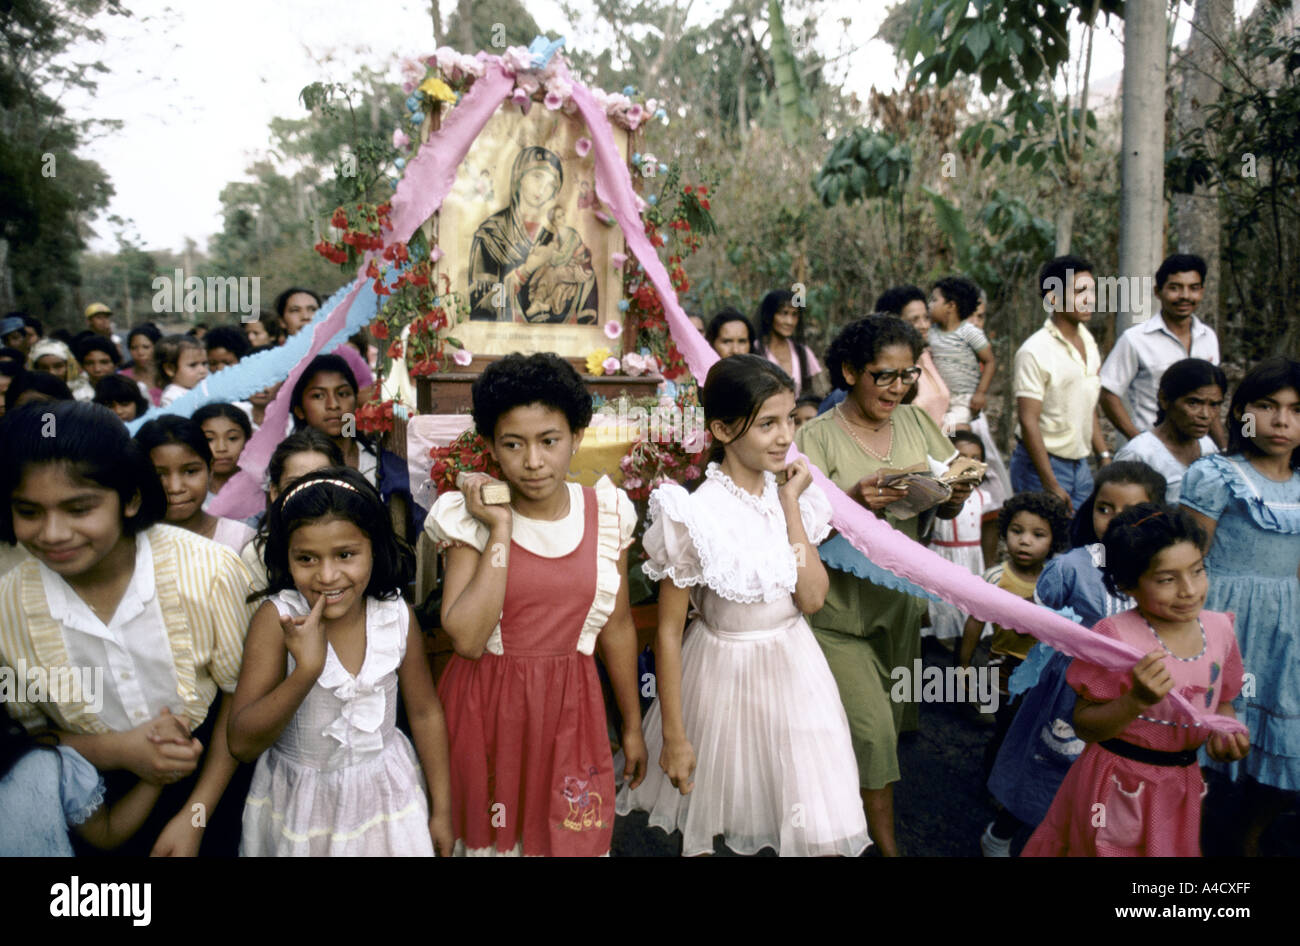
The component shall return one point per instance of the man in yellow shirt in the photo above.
(1057, 384)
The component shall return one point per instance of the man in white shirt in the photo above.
(1135, 365)
(1056, 384)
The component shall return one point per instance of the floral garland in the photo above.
(468, 453)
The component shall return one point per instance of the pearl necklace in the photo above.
(844, 419)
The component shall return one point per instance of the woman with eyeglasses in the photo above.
(864, 629)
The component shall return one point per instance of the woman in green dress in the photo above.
(867, 630)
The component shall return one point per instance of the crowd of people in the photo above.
(250, 670)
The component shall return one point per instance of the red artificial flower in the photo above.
(379, 329)
(340, 219)
(704, 204)
(395, 349)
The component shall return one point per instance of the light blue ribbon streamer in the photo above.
(261, 371)
(543, 49)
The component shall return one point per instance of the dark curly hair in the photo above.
(516, 380)
(313, 498)
(859, 342)
(963, 292)
(1140, 533)
(1047, 507)
(896, 298)
(119, 389)
(229, 337)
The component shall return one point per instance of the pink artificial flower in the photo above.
(692, 472)
(633, 482)
(616, 103)
(633, 117)
(529, 83)
(462, 357)
(618, 259)
(560, 86)
(517, 59)
(634, 364)
(552, 101)
(651, 105)
(408, 87)
(613, 329)
(522, 99)
(582, 146)
(610, 365)
(435, 254)
(400, 139)
(447, 61)
(471, 65)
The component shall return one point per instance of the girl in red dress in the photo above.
(1136, 789)
(529, 590)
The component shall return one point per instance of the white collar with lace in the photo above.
(766, 503)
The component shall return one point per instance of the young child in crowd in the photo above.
(107, 587)
(1041, 745)
(326, 398)
(122, 396)
(805, 409)
(316, 704)
(961, 351)
(1248, 502)
(226, 344)
(748, 696)
(182, 460)
(530, 589)
(228, 431)
(959, 540)
(182, 362)
(1139, 769)
(297, 455)
(1034, 526)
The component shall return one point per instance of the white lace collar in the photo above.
(767, 503)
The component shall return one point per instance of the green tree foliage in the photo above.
(48, 194)
(494, 25)
(340, 153)
(1251, 153)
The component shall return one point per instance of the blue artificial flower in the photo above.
(412, 102)
(629, 90)
(663, 168)
(652, 199)
(661, 114)
(622, 305)
(636, 157)
(417, 119)
(400, 163)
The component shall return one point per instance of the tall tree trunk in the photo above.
(436, 16)
(1142, 175)
(1196, 215)
(465, 9)
(787, 73)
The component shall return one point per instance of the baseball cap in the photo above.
(97, 308)
(11, 324)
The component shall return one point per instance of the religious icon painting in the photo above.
(522, 241)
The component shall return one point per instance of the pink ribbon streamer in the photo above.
(428, 180)
(873, 537)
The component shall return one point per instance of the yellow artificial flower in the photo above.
(596, 361)
(435, 88)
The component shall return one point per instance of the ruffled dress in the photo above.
(1146, 810)
(48, 791)
(342, 779)
(957, 540)
(774, 760)
(1252, 564)
(531, 767)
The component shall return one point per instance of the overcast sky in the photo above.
(195, 87)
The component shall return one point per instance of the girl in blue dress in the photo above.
(1248, 501)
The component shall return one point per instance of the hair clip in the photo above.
(1158, 512)
(300, 486)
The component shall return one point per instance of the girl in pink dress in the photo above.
(1136, 790)
(530, 588)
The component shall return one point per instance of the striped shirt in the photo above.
(200, 587)
(954, 354)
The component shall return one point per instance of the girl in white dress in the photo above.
(746, 694)
(317, 694)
